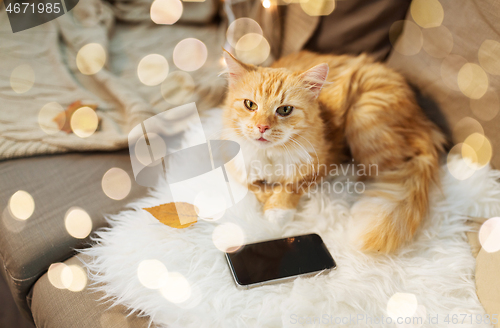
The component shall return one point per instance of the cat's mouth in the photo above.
(262, 139)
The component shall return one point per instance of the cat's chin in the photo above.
(263, 144)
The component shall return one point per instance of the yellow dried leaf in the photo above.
(175, 214)
(63, 119)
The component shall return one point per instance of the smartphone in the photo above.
(279, 260)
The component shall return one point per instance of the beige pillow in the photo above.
(438, 39)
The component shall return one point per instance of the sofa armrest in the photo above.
(56, 183)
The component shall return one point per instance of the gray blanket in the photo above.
(39, 67)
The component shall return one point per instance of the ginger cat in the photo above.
(313, 110)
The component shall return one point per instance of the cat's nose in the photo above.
(262, 128)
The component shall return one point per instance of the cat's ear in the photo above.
(315, 78)
(236, 69)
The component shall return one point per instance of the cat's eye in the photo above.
(250, 105)
(284, 110)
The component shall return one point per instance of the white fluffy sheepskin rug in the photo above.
(423, 285)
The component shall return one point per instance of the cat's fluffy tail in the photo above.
(392, 208)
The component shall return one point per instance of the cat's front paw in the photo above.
(279, 215)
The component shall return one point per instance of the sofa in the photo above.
(409, 37)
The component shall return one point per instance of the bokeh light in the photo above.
(465, 127)
(427, 13)
(240, 27)
(228, 237)
(21, 205)
(11, 223)
(116, 183)
(142, 150)
(486, 107)
(489, 235)
(469, 155)
(481, 147)
(252, 48)
(249, 41)
(190, 54)
(318, 7)
(55, 275)
(177, 289)
(457, 170)
(91, 58)
(152, 274)
(402, 305)
(166, 12)
(222, 62)
(194, 299)
(210, 204)
(113, 319)
(438, 41)
(266, 3)
(152, 69)
(46, 117)
(178, 88)
(71, 277)
(450, 67)
(472, 81)
(78, 223)
(412, 41)
(74, 278)
(489, 56)
(84, 122)
(22, 78)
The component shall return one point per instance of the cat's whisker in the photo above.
(303, 158)
(290, 156)
(313, 148)
(287, 151)
(310, 161)
(317, 157)
(302, 147)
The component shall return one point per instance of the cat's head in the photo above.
(270, 107)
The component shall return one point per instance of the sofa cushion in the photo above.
(432, 57)
(56, 183)
(357, 26)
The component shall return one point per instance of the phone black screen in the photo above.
(275, 259)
